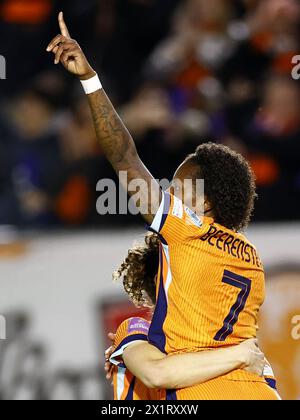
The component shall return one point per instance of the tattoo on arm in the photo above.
(119, 148)
(113, 136)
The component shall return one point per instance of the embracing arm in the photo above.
(114, 139)
(156, 370)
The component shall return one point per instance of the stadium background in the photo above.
(180, 73)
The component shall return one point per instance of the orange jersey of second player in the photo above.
(126, 385)
(210, 284)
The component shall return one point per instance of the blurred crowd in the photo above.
(180, 72)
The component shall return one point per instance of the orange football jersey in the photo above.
(210, 284)
(127, 386)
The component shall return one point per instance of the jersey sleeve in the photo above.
(175, 222)
(269, 375)
(131, 330)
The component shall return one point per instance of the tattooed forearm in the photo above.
(119, 148)
(114, 138)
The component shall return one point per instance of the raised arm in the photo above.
(157, 370)
(114, 139)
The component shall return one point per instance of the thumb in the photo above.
(111, 337)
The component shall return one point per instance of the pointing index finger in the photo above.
(63, 27)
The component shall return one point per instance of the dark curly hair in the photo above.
(229, 184)
(138, 271)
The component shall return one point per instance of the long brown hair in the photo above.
(138, 271)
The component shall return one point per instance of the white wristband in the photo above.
(91, 85)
